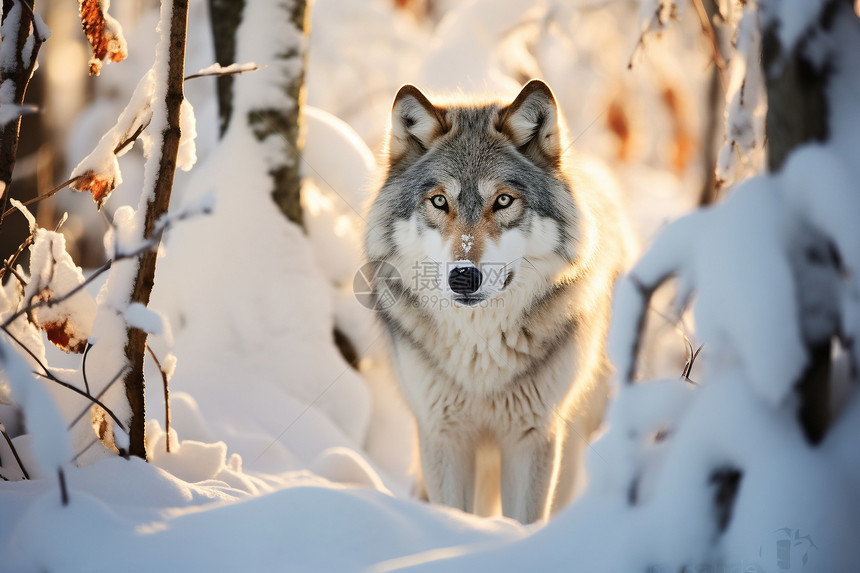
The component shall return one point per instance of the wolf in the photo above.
(497, 257)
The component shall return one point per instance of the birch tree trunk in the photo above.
(286, 121)
(224, 16)
(287, 72)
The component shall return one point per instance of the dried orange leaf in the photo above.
(97, 184)
(65, 337)
(619, 125)
(66, 318)
(103, 33)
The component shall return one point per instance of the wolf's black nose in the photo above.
(464, 280)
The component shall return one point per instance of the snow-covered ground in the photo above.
(285, 457)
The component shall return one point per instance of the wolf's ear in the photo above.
(415, 123)
(531, 123)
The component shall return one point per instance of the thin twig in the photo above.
(133, 137)
(166, 396)
(151, 243)
(14, 451)
(646, 291)
(691, 362)
(84, 366)
(41, 197)
(88, 446)
(50, 376)
(145, 246)
(51, 302)
(64, 493)
(98, 397)
(18, 276)
(9, 263)
(708, 29)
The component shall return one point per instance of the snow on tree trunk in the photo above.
(275, 120)
(170, 69)
(18, 51)
(797, 113)
(796, 98)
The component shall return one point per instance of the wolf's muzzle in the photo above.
(464, 280)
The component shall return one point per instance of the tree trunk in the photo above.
(716, 106)
(18, 72)
(285, 121)
(798, 113)
(156, 208)
(796, 98)
(225, 16)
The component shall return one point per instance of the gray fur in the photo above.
(526, 377)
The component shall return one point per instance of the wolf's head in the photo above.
(475, 201)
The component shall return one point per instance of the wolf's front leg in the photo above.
(527, 467)
(448, 465)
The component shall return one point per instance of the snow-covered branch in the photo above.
(22, 33)
(168, 73)
(217, 70)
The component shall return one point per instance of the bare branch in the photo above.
(148, 245)
(49, 303)
(9, 263)
(18, 276)
(14, 451)
(47, 374)
(113, 380)
(166, 386)
(133, 137)
(64, 492)
(84, 366)
(42, 197)
(717, 54)
(83, 451)
(646, 291)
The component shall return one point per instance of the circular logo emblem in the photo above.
(375, 285)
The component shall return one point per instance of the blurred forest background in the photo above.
(651, 108)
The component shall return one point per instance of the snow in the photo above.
(11, 112)
(217, 69)
(287, 457)
(792, 18)
(53, 275)
(48, 439)
(101, 164)
(187, 155)
(741, 153)
(139, 316)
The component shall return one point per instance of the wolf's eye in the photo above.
(503, 201)
(440, 202)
